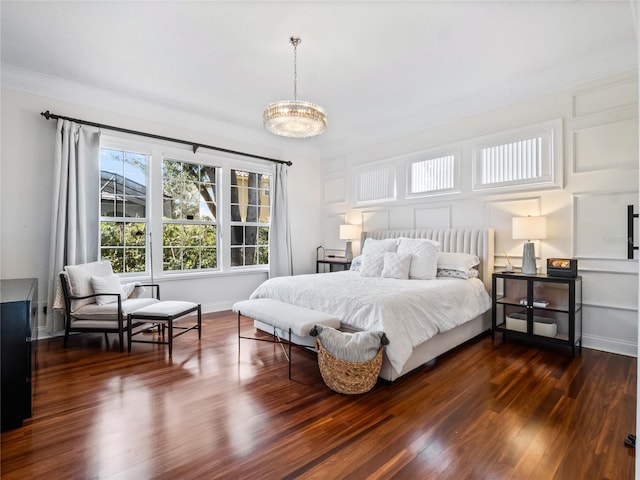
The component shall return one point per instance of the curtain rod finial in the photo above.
(46, 114)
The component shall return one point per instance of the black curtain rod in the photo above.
(195, 146)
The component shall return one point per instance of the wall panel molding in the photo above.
(608, 97)
(606, 238)
(609, 146)
(436, 217)
(335, 190)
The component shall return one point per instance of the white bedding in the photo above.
(408, 311)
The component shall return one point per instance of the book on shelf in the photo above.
(537, 302)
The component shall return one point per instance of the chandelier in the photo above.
(294, 118)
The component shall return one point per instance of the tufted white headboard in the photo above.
(477, 241)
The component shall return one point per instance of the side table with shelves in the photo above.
(335, 264)
(538, 307)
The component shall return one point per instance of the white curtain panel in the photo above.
(280, 259)
(75, 206)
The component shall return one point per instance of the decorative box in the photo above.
(541, 325)
(562, 267)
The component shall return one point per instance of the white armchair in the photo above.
(95, 301)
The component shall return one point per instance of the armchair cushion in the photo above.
(107, 284)
(109, 311)
(79, 277)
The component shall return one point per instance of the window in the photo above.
(250, 218)
(189, 228)
(432, 175)
(123, 209)
(376, 183)
(205, 213)
(528, 156)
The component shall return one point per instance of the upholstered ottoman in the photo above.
(165, 313)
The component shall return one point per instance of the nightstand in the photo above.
(335, 264)
(542, 308)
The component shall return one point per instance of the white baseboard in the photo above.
(610, 345)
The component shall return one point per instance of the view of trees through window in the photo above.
(123, 209)
(189, 211)
(190, 203)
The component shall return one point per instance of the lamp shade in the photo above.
(349, 232)
(529, 228)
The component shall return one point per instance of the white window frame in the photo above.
(432, 156)
(551, 156)
(156, 152)
(390, 192)
(164, 221)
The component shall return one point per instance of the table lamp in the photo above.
(349, 233)
(529, 228)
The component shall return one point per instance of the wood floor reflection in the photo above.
(485, 411)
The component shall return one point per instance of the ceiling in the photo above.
(380, 69)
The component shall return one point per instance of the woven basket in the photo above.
(348, 377)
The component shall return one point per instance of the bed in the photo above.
(417, 315)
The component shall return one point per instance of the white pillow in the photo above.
(128, 289)
(396, 265)
(372, 246)
(355, 347)
(457, 261)
(371, 265)
(79, 277)
(107, 284)
(356, 263)
(456, 273)
(424, 256)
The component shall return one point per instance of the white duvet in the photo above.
(409, 311)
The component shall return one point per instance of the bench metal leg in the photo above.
(276, 339)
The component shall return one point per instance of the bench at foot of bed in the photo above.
(284, 317)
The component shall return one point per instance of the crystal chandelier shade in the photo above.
(294, 118)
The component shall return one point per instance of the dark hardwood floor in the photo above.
(508, 411)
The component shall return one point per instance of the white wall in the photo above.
(26, 169)
(586, 217)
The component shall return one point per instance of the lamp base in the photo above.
(529, 259)
(348, 251)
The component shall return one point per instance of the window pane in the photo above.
(251, 235)
(209, 258)
(263, 255)
(237, 235)
(433, 175)
(172, 234)
(115, 256)
(172, 258)
(209, 236)
(190, 258)
(192, 234)
(265, 215)
(263, 236)
(111, 234)
(135, 234)
(237, 256)
(135, 260)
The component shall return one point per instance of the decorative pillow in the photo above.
(451, 273)
(79, 277)
(424, 259)
(372, 246)
(356, 263)
(372, 265)
(396, 265)
(457, 261)
(107, 284)
(351, 347)
(128, 289)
